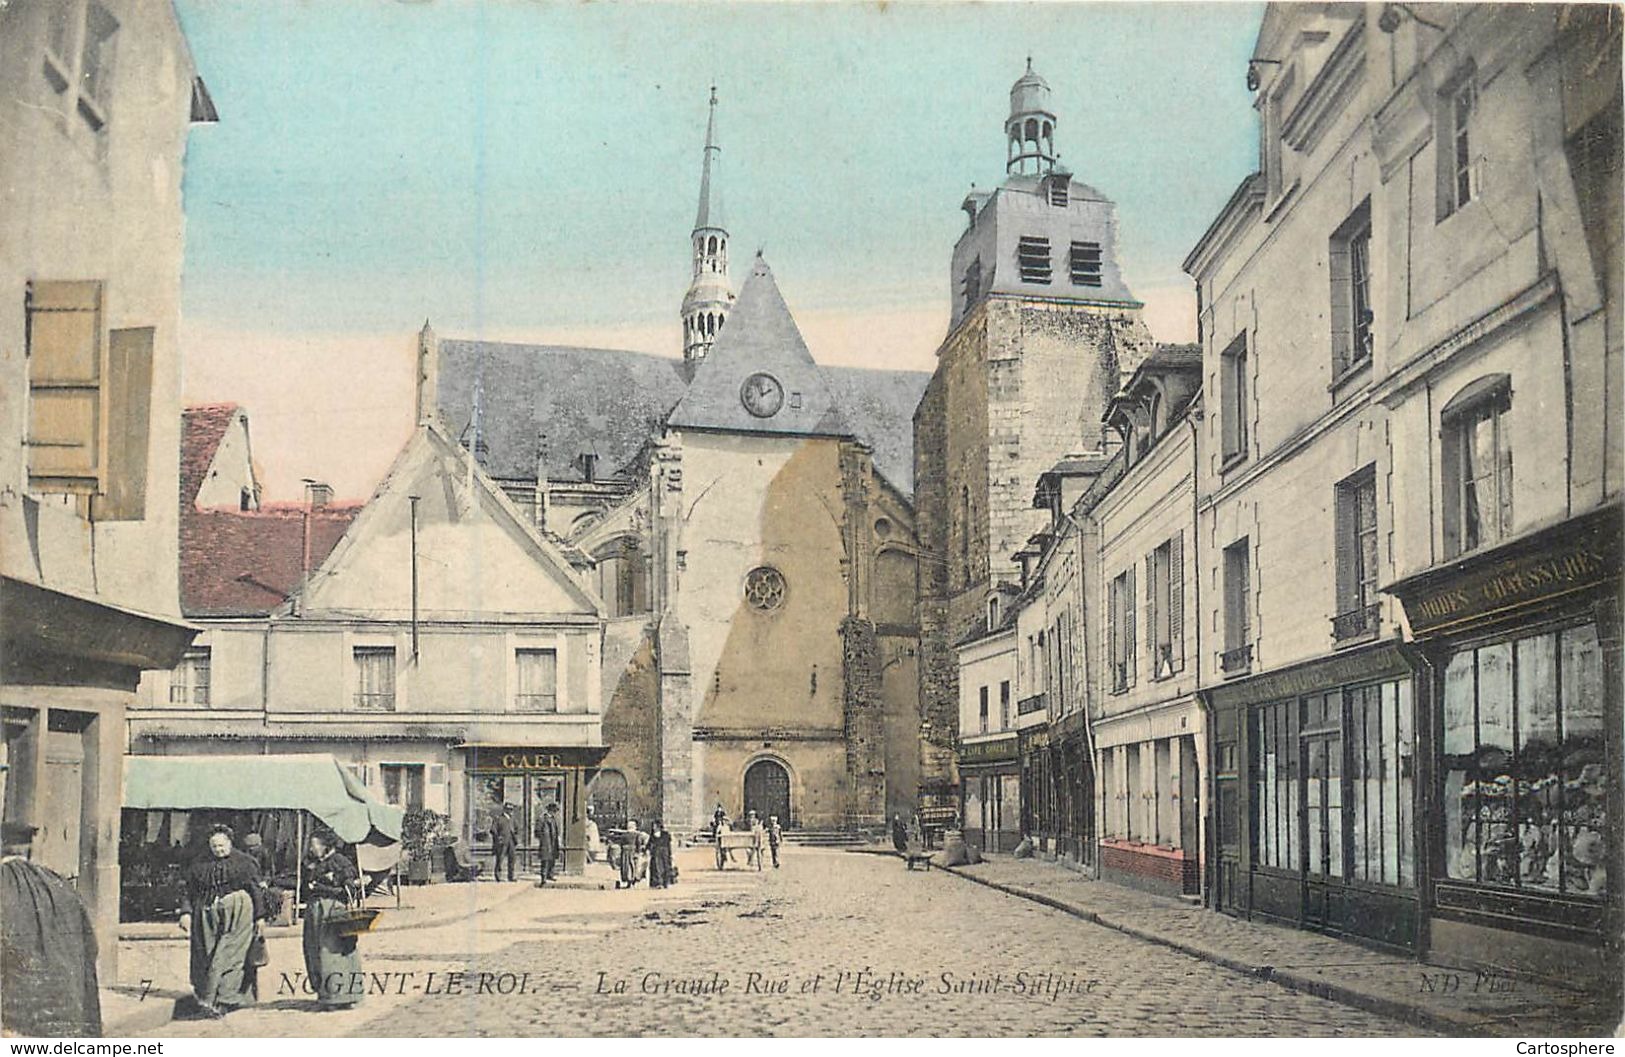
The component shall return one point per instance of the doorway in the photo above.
(767, 791)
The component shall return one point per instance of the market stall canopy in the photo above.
(311, 782)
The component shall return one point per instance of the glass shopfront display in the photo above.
(1523, 764)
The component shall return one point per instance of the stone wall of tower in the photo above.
(1018, 384)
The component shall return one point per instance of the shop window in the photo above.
(1356, 514)
(1120, 630)
(536, 676)
(983, 712)
(1380, 775)
(1032, 258)
(1165, 616)
(1234, 403)
(1238, 624)
(1477, 466)
(1275, 785)
(189, 683)
(403, 784)
(1352, 314)
(375, 678)
(1524, 764)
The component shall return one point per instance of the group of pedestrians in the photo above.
(549, 843)
(229, 896)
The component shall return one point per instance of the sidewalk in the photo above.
(152, 951)
(1391, 985)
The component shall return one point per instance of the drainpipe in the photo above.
(1208, 816)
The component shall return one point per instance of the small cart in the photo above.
(730, 844)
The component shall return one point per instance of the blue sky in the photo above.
(529, 170)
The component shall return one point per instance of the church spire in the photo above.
(709, 297)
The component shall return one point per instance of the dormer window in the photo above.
(1086, 264)
(993, 613)
(1032, 257)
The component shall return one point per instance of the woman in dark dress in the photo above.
(662, 872)
(331, 962)
(223, 916)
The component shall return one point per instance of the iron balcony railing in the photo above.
(1237, 660)
(1357, 623)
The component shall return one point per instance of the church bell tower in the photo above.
(709, 298)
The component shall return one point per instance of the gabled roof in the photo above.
(429, 451)
(760, 337)
(614, 402)
(246, 564)
(203, 427)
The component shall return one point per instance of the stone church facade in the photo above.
(747, 517)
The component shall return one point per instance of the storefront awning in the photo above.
(307, 782)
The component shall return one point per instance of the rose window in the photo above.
(764, 588)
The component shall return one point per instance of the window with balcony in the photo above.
(1352, 315)
(536, 674)
(1477, 454)
(1033, 259)
(1120, 630)
(1238, 621)
(189, 683)
(1234, 403)
(375, 678)
(1356, 512)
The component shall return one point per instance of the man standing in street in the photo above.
(548, 844)
(504, 842)
(775, 837)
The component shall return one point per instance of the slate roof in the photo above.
(202, 429)
(760, 336)
(242, 564)
(612, 401)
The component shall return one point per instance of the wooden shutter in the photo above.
(1113, 630)
(1129, 597)
(1150, 645)
(1176, 599)
(1345, 545)
(67, 428)
(129, 404)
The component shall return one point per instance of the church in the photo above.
(746, 515)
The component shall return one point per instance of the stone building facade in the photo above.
(97, 102)
(1413, 705)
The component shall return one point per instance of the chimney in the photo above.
(317, 494)
(589, 466)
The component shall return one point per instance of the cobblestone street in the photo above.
(805, 931)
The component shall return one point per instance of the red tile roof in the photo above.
(246, 564)
(203, 427)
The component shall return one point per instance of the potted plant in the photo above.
(423, 834)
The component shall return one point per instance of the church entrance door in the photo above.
(767, 791)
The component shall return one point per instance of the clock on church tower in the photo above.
(762, 395)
